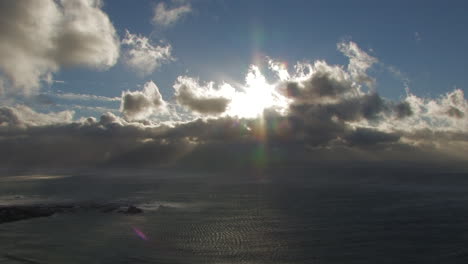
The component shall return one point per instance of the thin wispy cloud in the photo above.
(417, 36)
(86, 97)
(142, 56)
(166, 16)
(359, 62)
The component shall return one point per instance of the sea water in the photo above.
(289, 215)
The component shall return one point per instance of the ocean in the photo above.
(285, 215)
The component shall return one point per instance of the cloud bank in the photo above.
(40, 37)
(316, 113)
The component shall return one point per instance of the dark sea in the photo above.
(284, 215)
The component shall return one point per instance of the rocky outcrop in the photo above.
(133, 210)
(22, 212)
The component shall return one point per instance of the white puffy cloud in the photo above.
(142, 104)
(39, 37)
(165, 16)
(202, 99)
(142, 56)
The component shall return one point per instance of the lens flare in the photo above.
(140, 234)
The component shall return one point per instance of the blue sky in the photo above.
(218, 40)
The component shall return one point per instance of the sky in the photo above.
(143, 83)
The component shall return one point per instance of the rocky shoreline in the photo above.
(22, 212)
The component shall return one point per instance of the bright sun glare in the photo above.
(257, 95)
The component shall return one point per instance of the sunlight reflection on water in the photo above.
(326, 219)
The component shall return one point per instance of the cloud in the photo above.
(445, 113)
(91, 109)
(327, 117)
(403, 109)
(142, 56)
(455, 112)
(226, 142)
(142, 104)
(366, 137)
(86, 97)
(201, 99)
(2, 87)
(165, 16)
(359, 62)
(324, 83)
(23, 116)
(401, 76)
(110, 141)
(280, 69)
(39, 37)
(417, 36)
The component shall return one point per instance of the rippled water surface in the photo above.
(282, 216)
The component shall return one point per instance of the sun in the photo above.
(257, 95)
